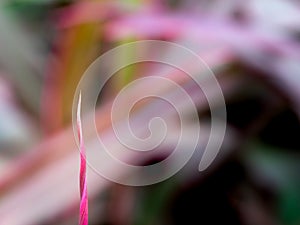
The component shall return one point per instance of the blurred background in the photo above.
(252, 46)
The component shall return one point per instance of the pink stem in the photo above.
(83, 219)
